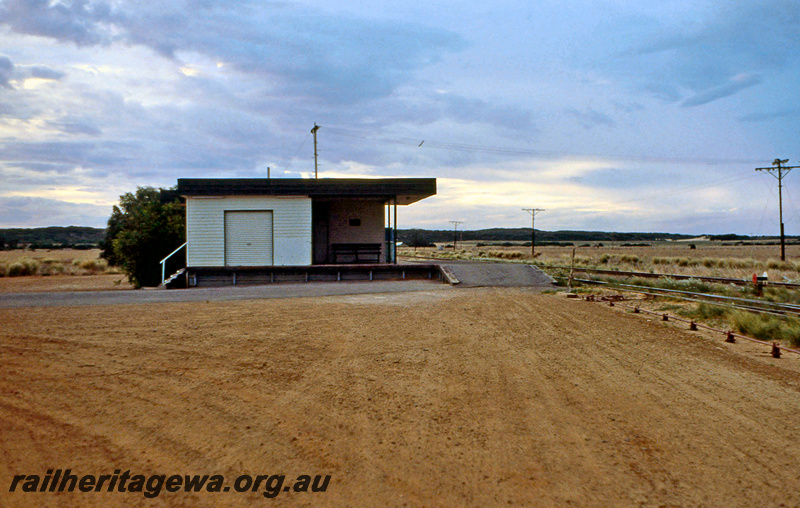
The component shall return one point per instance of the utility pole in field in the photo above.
(779, 171)
(455, 224)
(314, 132)
(533, 212)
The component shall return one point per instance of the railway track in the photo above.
(647, 275)
(760, 306)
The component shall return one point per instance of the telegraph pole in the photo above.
(533, 212)
(781, 172)
(314, 132)
(455, 224)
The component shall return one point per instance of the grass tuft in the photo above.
(768, 328)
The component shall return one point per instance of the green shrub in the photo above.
(760, 326)
(706, 312)
(94, 265)
(16, 269)
(767, 327)
(774, 264)
(22, 267)
(709, 262)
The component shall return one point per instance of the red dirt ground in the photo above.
(471, 397)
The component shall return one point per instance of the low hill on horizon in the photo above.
(411, 236)
(52, 237)
(88, 237)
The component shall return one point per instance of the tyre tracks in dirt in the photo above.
(481, 396)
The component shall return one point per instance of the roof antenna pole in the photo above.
(314, 132)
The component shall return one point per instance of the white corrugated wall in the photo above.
(291, 228)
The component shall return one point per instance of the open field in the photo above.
(62, 255)
(708, 258)
(36, 283)
(472, 397)
(46, 262)
(60, 270)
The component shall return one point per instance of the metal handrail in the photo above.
(166, 258)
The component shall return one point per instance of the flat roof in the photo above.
(405, 190)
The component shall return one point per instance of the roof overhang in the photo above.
(404, 190)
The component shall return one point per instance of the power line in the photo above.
(683, 190)
(302, 144)
(495, 150)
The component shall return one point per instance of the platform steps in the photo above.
(172, 278)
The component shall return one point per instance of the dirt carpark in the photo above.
(462, 397)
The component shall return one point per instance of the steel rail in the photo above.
(776, 348)
(719, 280)
(787, 308)
(729, 334)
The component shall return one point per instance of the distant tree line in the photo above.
(53, 237)
(728, 237)
(412, 236)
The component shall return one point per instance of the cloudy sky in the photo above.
(609, 114)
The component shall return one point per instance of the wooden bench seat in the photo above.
(355, 253)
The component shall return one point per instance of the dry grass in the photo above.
(63, 255)
(711, 259)
(20, 263)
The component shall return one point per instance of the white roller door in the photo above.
(248, 238)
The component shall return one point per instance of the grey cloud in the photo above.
(79, 21)
(42, 167)
(9, 71)
(720, 92)
(6, 71)
(591, 118)
(737, 37)
(68, 154)
(296, 67)
(419, 107)
(337, 59)
(475, 110)
(772, 115)
(76, 127)
(43, 72)
(621, 178)
(628, 107)
(663, 91)
(36, 212)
